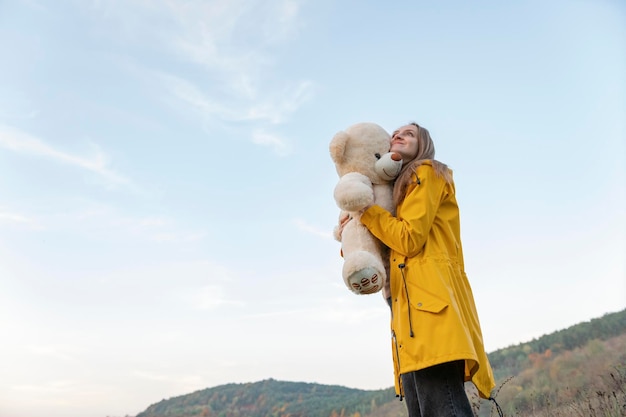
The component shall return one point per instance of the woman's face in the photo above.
(404, 142)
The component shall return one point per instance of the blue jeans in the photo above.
(437, 391)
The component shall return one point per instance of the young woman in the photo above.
(437, 340)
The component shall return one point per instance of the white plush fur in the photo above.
(366, 169)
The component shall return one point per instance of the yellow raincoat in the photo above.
(434, 318)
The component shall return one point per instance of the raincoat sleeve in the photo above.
(407, 233)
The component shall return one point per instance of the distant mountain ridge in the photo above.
(511, 360)
(599, 345)
(272, 398)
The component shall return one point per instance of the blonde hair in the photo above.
(425, 152)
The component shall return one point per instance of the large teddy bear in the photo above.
(366, 169)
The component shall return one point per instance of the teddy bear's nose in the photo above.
(396, 156)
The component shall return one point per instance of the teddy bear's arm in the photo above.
(354, 192)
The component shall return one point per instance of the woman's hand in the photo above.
(344, 218)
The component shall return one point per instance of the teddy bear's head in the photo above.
(364, 148)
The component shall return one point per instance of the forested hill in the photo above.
(555, 370)
(272, 398)
(512, 360)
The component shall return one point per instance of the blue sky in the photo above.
(166, 189)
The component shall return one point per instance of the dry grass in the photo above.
(605, 398)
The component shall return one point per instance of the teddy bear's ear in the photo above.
(338, 146)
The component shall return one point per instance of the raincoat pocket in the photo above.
(429, 290)
(425, 301)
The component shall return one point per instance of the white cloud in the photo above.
(11, 217)
(231, 35)
(21, 142)
(174, 383)
(60, 386)
(274, 109)
(277, 144)
(192, 97)
(278, 107)
(232, 42)
(199, 284)
(211, 297)
(64, 353)
(230, 39)
(150, 376)
(284, 23)
(305, 227)
(206, 31)
(106, 221)
(35, 5)
(15, 104)
(160, 229)
(351, 312)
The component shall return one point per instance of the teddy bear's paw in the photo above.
(365, 281)
(355, 204)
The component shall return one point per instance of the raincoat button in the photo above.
(419, 304)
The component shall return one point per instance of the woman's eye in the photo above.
(377, 155)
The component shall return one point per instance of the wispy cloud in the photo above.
(232, 37)
(150, 376)
(35, 5)
(342, 310)
(10, 217)
(278, 107)
(305, 227)
(336, 310)
(64, 353)
(225, 54)
(193, 97)
(60, 386)
(100, 218)
(211, 297)
(274, 108)
(161, 229)
(21, 142)
(279, 145)
(178, 383)
(16, 105)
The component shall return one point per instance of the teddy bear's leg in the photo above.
(363, 273)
